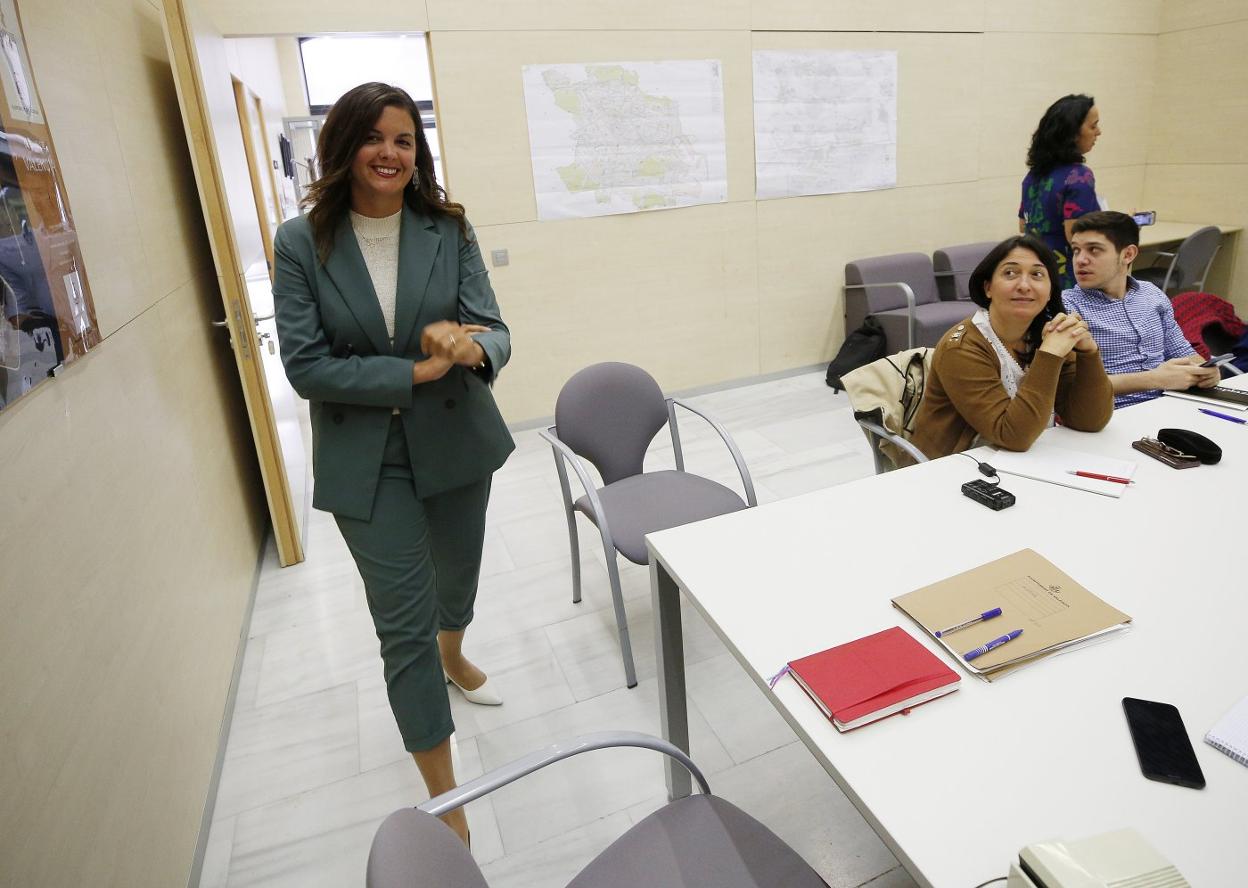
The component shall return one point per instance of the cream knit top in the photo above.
(379, 242)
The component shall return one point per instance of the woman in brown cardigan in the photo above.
(1001, 375)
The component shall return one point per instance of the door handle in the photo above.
(258, 318)
(220, 323)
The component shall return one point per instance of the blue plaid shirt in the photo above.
(1137, 332)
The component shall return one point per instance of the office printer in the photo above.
(1110, 859)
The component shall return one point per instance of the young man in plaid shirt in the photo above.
(1132, 322)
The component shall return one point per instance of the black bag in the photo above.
(864, 345)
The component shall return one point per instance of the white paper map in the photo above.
(824, 122)
(625, 137)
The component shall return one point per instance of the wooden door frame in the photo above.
(243, 101)
(268, 159)
(183, 57)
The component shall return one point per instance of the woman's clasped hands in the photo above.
(447, 343)
(1065, 332)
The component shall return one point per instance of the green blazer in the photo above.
(338, 355)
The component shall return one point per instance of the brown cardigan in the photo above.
(964, 396)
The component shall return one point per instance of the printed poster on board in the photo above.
(48, 316)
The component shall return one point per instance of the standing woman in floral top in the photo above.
(1059, 187)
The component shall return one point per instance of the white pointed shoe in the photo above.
(485, 695)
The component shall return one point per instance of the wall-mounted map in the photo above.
(824, 122)
(625, 137)
(48, 317)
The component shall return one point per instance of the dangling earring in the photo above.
(415, 182)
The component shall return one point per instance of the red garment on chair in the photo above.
(1196, 311)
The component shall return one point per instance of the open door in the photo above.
(211, 117)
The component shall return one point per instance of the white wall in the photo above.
(1198, 146)
(733, 290)
(747, 287)
(132, 512)
(737, 289)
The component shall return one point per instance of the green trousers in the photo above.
(420, 558)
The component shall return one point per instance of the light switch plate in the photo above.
(499, 258)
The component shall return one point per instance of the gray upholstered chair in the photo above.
(953, 266)
(697, 841)
(608, 413)
(1189, 264)
(900, 292)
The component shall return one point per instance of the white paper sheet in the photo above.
(1046, 462)
(824, 122)
(625, 137)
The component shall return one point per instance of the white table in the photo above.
(956, 788)
(1162, 233)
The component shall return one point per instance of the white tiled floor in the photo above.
(314, 761)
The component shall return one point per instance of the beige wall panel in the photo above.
(587, 15)
(1179, 15)
(1201, 101)
(89, 149)
(1016, 92)
(1122, 188)
(673, 292)
(847, 15)
(931, 68)
(998, 200)
(130, 549)
(158, 166)
(485, 134)
(1210, 194)
(238, 18)
(118, 653)
(291, 63)
(222, 108)
(1073, 17)
(254, 60)
(804, 243)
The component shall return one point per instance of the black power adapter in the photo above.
(987, 494)
(984, 492)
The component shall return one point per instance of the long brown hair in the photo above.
(349, 122)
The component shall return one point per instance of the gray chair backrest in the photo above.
(413, 849)
(953, 266)
(914, 269)
(609, 413)
(1193, 257)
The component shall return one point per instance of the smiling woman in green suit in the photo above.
(389, 327)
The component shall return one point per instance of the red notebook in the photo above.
(874, 677)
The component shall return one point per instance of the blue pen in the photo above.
(1223, 416)
(986, 615)
(995, 643)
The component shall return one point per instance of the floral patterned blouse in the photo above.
(1064, 192)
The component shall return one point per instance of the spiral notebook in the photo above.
(1230, 734)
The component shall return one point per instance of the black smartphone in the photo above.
(1219, 360)
(1162, 744)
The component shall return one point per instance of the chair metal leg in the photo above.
(570, 513)
(576, 557)
(621, 618)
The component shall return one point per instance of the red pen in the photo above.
(1099, 477)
